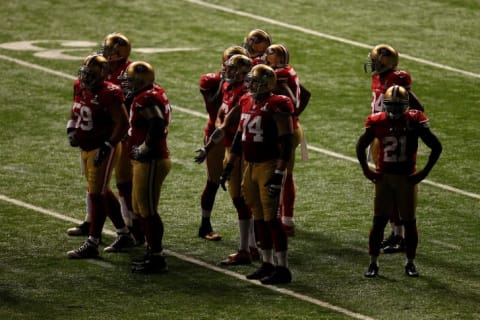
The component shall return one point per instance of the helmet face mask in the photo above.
(381, 58)
(395, 101)
(277, 56)
(261, 80)
(236, 68)
(116, 47)
(140, 74)
(93, 72)
(256, 42)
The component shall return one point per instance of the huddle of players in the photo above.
(250, 138)
(119, 120)
(249, 141)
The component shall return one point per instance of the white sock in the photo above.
(126, 214)
(267, 256)
(282, 260)
(244, 225)
(88, 214)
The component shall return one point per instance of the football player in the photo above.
(116, 48)
(397, 129)
(288, 84)
(256, 42)
(235, 72)
(147, 144)
(264, 140)
(382, 64)
(211, 90)
(98, 121)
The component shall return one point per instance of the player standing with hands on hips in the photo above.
(396, 178)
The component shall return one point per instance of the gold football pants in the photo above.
(148, 178)
(395, 190)
(256, 176)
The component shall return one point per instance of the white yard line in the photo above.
(197, 262)
(325, 35)
(288, 292)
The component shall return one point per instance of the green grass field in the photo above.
(42, 192)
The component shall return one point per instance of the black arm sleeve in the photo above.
(286, 142)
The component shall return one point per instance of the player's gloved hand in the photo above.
(274, 184)
(227, 172)
(102, 153)
(140, 152)
(71, 137)
(201, 155)
(371, 175)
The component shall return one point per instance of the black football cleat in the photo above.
(393, 244)
(281, 275)
(122, 242)
(80, 230)
(150, 264)
(88, 250)
(411, 270)
(265, 270)
(372, 271)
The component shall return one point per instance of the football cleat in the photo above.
(208, 234)
(372, 270)
(150, 264)
(393, 244)
(88, 250)
(411, 270)
(123, 241)
(241, 257)
(265, 270)
(281, 275)
(80, 230)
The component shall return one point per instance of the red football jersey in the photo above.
(138, 124)
(287, 75)
(231, 96)
(93, 121)
(398, 140)
(209, 86)
(259, 129)
(119, 76)
(380, 84)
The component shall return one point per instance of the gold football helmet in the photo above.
(230, 51)
(116, 47)
(277, 56)
(256, 42)
(261, 80)
(395, 100)
(93, 71)
(382, 58)
(140, 74)
(236, 68)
